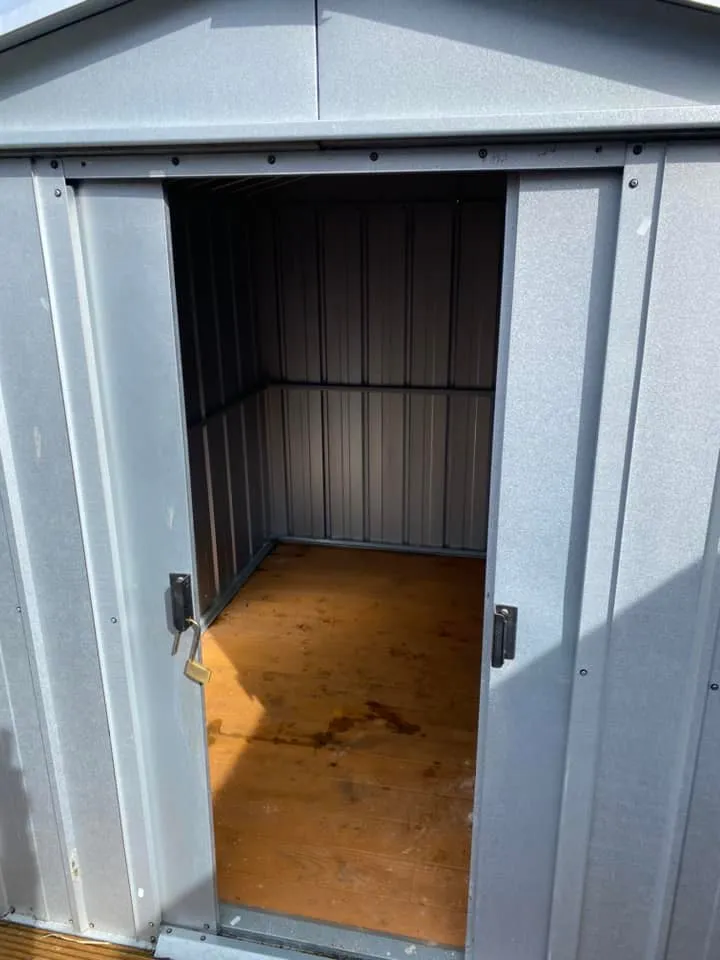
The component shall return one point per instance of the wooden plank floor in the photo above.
(18, 942)
(342, 719)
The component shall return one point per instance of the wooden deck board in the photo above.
(19, 942)
(342, 719)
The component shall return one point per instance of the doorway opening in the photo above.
(338, 341)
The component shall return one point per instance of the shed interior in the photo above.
(338, 340)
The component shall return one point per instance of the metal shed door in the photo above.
(559, 251)
(126, 250)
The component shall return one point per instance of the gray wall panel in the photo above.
(666, 602)
(238, 479)
(343, 289)
(479, 256)
(220, 363)
(385, 437)
(257, 471)
(202, 518)
(304, 463)
(431, 293)
(298, 294)
(426, 470)
(32, 871)
(145, 64)
(387, 263)
(385, 294)
(345, 465)
(468, 472)
(274, 441)
(266, 288)
(44, 515)
(386, 59)
(217, 465)
(551, 366)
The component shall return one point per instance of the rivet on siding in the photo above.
(633, 183)
(203, 937)
(271, 159)
(83, 163)
(150, 923)
(373, 156)
(583, 672)
(18, 609)
(168, 930)
(58, 192)
(482, 153)
(206, 926)
(715, 686)
(598, 149)
(92, 926)
(11, 910)
(54, 164)
(113, 619)
(153, 939)
(175, 161)
(637, 149)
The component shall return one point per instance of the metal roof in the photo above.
(22, 20)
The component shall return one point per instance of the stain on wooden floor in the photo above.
(342, 718)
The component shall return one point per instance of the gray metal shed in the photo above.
(435, 277)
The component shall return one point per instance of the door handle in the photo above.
(504, 634)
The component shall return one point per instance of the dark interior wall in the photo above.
(398, 295)
(222, 380)
(338, 345)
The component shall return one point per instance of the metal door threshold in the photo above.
(246, 932)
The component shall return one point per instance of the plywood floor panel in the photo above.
(342, 720)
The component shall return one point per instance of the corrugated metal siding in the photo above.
(400, 295)
(338, 360)
(220, 373)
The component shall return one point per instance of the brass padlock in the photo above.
(195, 670)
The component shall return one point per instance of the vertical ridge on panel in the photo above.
(202, 520)
(386, 252)
(235, 538)
(478, 279)
(301, 351)
(343, 350)
(244, 305)
(429, 315)
(253, 417)
(427, 429)
(245, 359)
(211, 355)
(345, 465)
(385, 466)
(431, 294)
(468, 472)
(300, 295)
(238, 474)
(276, 468)
(266, 289)
(386, 344)
(304, 451)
